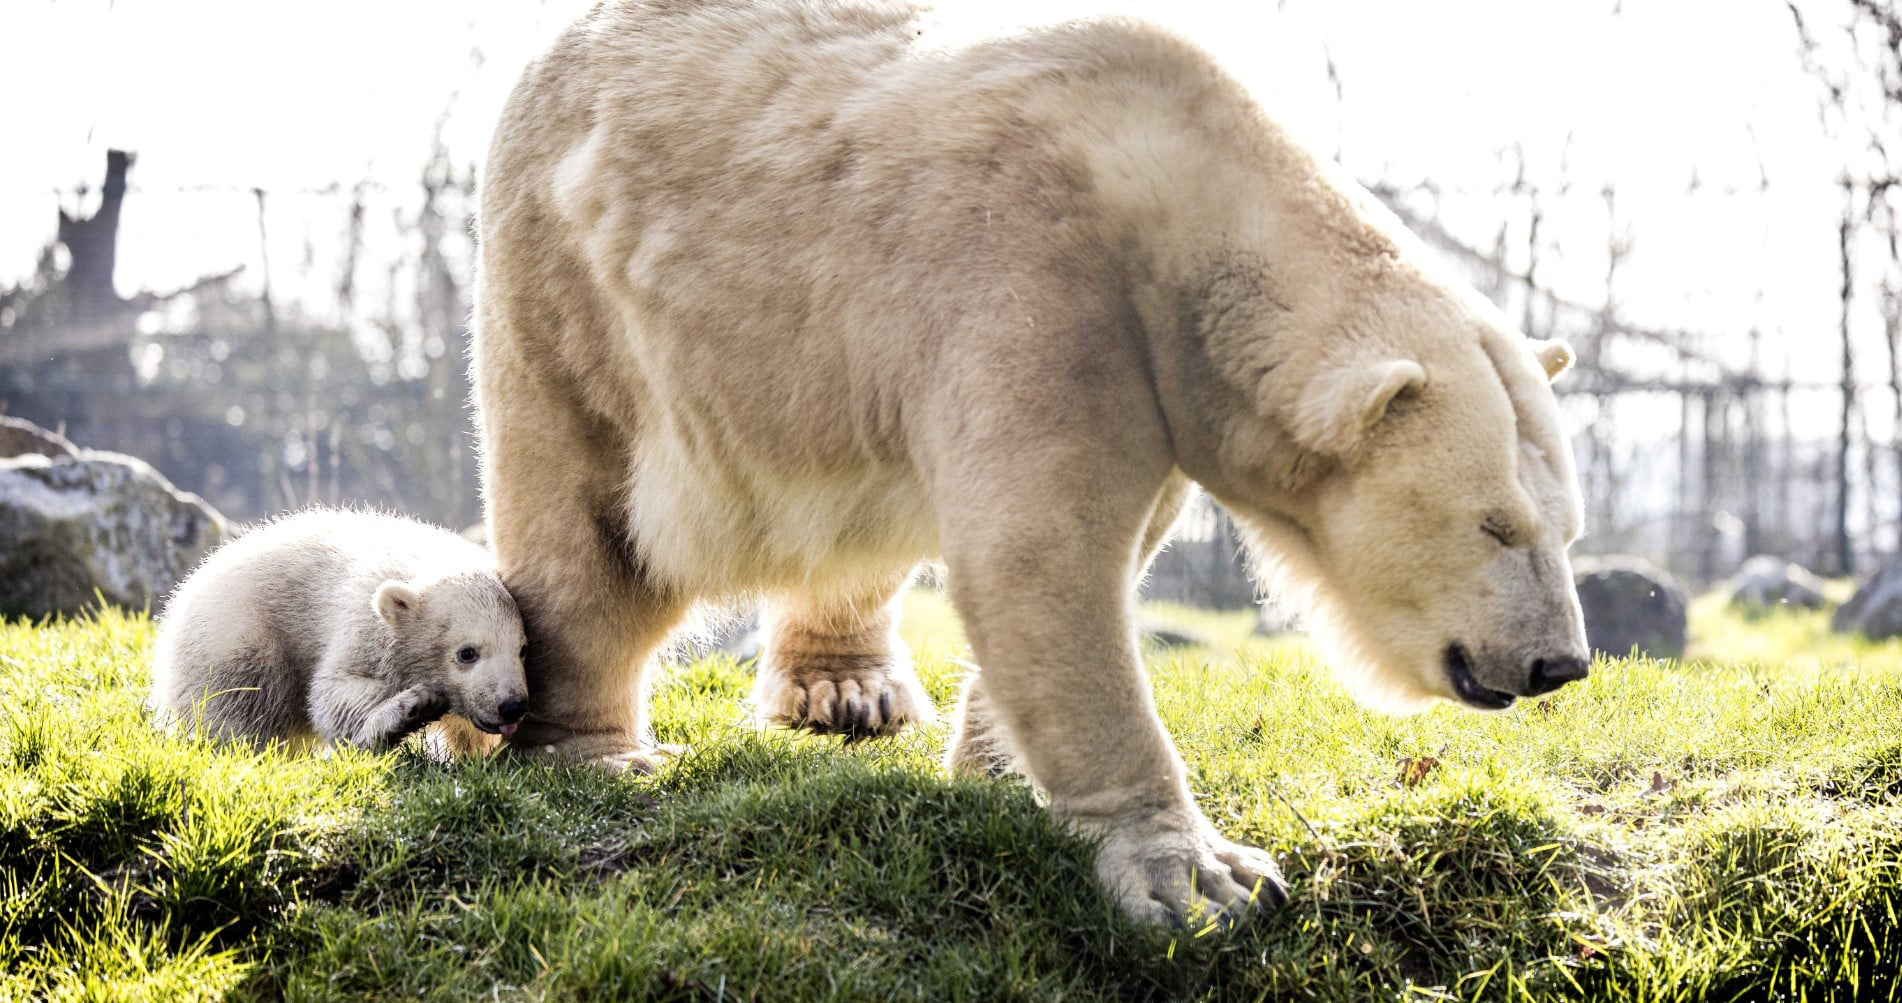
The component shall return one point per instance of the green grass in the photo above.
(1727, 828)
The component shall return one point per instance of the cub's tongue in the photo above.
(506, 729)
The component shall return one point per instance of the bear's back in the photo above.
(300, 583)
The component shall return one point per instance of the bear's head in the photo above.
(465, 631)
(1429, 500)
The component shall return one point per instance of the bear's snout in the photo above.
(511, 710)
(1543, 675)
(1548, 674)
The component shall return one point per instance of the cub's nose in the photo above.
(512, 710)
(1549, 674)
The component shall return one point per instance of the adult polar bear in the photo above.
(780, 298)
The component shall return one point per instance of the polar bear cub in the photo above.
(343, 627)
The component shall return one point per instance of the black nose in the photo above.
(1549, 674)
(512, 710)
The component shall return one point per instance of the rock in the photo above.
(1763, 583)
(99, 523)
(1875, 611)
(1630, 603)
(19, 437)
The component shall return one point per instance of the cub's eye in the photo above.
(467, 654)
(1498, 530)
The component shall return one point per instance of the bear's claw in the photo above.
(856, 704)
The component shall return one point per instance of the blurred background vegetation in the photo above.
(256, 403)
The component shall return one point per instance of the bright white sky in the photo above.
(292, 96)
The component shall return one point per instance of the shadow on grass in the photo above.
(771, 870)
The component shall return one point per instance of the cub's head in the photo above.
(1434, 506)
(467, 627)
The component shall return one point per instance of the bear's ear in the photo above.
(1554, 357)
(395, 602)
(1338, 408)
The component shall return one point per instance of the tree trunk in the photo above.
(1845, 555)
(1708, 502)
(93, 244)
(1753, 451)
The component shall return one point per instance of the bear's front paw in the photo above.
(607, 750)
(645, 759)
(855, 697)
(1194, 877)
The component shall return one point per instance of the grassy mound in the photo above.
(1727, 828)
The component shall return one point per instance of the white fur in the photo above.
(339, 626)
(787, 297)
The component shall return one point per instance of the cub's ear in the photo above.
(1554, 357)
(1337, 408)
(395, 602)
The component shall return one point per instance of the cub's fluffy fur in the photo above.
(785, 297)
(346, 627)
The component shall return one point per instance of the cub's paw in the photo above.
(419, 706)
(403, 715)
(1188, 878)
(856, 697)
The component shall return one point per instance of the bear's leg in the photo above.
(222, 672)
(232, 705)
(977, 745)
(557, 520)
(369, 713)
(1042, 580)
(833, 663)
(592, 631)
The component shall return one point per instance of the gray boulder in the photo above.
(19, 437)
(91, 525)
(1875, 610)
(1763, 583)
(1630, 603)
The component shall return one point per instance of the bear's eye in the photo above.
(467, 654)
(1498, 530)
